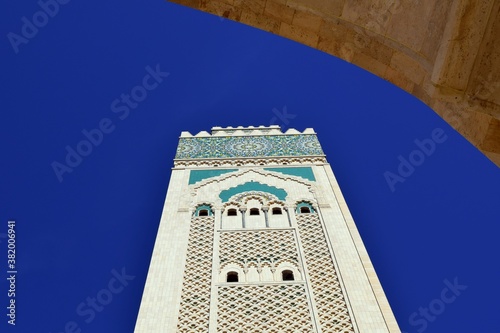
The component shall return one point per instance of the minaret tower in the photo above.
(255, 236)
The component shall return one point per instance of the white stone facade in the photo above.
(266, 244)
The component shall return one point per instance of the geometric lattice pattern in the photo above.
(263, 309)
(248, 146)
(327, 293)
(194, 312)
(269, 247)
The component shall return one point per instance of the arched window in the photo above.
(254, 211)
(203, 210)
(287, 275)
(232, 277)
(277, 211)
(231, 212)
(304, 207)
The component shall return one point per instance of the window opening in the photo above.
(277, 211)
(287, 275)
(305, 210)
(232, 277)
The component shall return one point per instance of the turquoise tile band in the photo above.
(248, 146)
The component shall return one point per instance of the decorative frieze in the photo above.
(210, 147)
(234, 162)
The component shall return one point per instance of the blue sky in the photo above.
(88, 230)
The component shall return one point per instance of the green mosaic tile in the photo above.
(248, 146)
(304, 172)
(198, 175)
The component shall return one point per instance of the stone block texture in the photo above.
(443, 52)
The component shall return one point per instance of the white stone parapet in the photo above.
(246, 131)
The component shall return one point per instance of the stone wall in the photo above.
(442, 52)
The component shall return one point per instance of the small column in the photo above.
(288, 215)
(265, 209)
(259, 269)
(243, 210)
(273, 268)
(245, 270)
